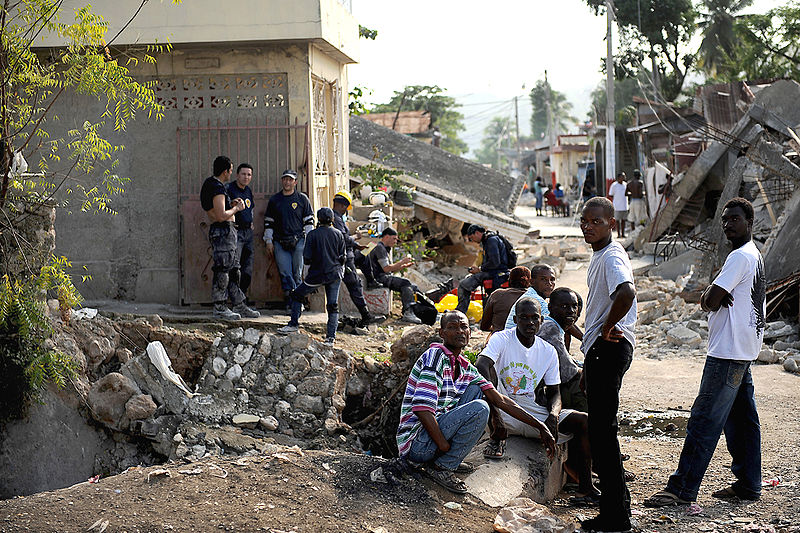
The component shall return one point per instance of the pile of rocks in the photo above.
(781, 345)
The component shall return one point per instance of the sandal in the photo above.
(465, 468)
(729, 493)
(664, 498)
(447, 479)
(495, 449)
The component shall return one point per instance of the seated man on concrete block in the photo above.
(515, 361)
(446, 406)
(382, 269)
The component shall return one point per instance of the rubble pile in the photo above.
(668, 326)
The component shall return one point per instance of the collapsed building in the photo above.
(757, 159)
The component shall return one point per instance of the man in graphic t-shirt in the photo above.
(725, 403)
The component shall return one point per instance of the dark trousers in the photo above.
(244, 257)
(605, 364)
(353, 284)
(222, 236)
(403, 286)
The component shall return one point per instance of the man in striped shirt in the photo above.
(445, 409)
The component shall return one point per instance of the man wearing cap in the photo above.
(381, 269)
(286, 223)
(221, 211)
(342, 201)
(494, 263)
(324, 254)
(244, 224)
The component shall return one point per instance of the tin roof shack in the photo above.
(450, 191)
(261, 81)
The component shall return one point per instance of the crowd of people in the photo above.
(524, 381)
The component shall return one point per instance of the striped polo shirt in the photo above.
(431, 387)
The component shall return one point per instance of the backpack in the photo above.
(424, 309)
(511, 255)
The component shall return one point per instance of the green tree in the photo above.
(87, 64)
(719, 31)
(625, 109)
(497, 133)
(659, 30)
(442, 110)
(561, 110)
(767, 45)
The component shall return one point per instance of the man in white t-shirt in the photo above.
(737, 304)
(515, 361)
(619, 192)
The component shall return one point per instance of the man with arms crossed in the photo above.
(608, 347)
(737, 304)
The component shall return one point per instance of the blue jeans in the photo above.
(462, 427)
(331, 300)
(290, 264)
(725, 403)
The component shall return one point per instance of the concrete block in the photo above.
(379, 301)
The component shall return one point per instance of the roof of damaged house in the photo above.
(444, 182)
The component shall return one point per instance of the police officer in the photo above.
(342, 201)
(324, 253)
(244, 224)
(287, 221)
(221, 211)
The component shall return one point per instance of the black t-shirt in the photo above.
(378, 258)
(213, 187)
(286, 215)
(324, 253)
(244, 218)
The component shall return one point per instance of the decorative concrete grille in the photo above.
(259, 91)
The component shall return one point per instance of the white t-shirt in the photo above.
(519, 369)
(608, 269)
(736, 332)
(617, 191)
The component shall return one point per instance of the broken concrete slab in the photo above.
(524, 470)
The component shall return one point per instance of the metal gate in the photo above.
(270, 148)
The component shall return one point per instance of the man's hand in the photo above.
(357, 235)
(406, 261)
(610, 333)
(727, 300)
(238, 204)
(552, 424)
(548, 441)
(473, 270)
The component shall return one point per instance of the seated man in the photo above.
(500, 302)
(381, 268)
(495, 263)
(543, 281)
(562, 197)
(444, 410)
(515, 360)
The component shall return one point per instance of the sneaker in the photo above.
(410, 317)
(245, 311)
(223, 313)
(328, 341)
(288, 328)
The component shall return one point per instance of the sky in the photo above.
(484, 53)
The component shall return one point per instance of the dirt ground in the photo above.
(324, 491)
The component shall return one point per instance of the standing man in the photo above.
(324, 254)
(381, 268)
(737, 304)
(619, 193)
(341, 203)
(637, 207)
(501, 301)
(495, 262)
(287, 221)
(221, 212)
(244, 224)
(608, 347)
(543, 281)
(446, 406)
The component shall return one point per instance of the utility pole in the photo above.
(516, 118)
(551, 139)
(611, 145)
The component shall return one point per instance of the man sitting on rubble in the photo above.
(515, 361)
(446, 406)
(495, 263)
(381, 268)
(500, 302)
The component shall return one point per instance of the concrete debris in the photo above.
(414, 341)
(523, 515)
(683, 336)
(107, 400)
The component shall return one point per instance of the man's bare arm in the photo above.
(218, 213)
(508, 405)
(715, 297)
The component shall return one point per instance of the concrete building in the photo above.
(262, 81)
(566, 154)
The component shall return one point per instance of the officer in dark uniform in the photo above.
(221, 211)
(244, 224)
(342, 201)
(324, 253)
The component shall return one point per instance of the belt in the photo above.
(225, 224)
